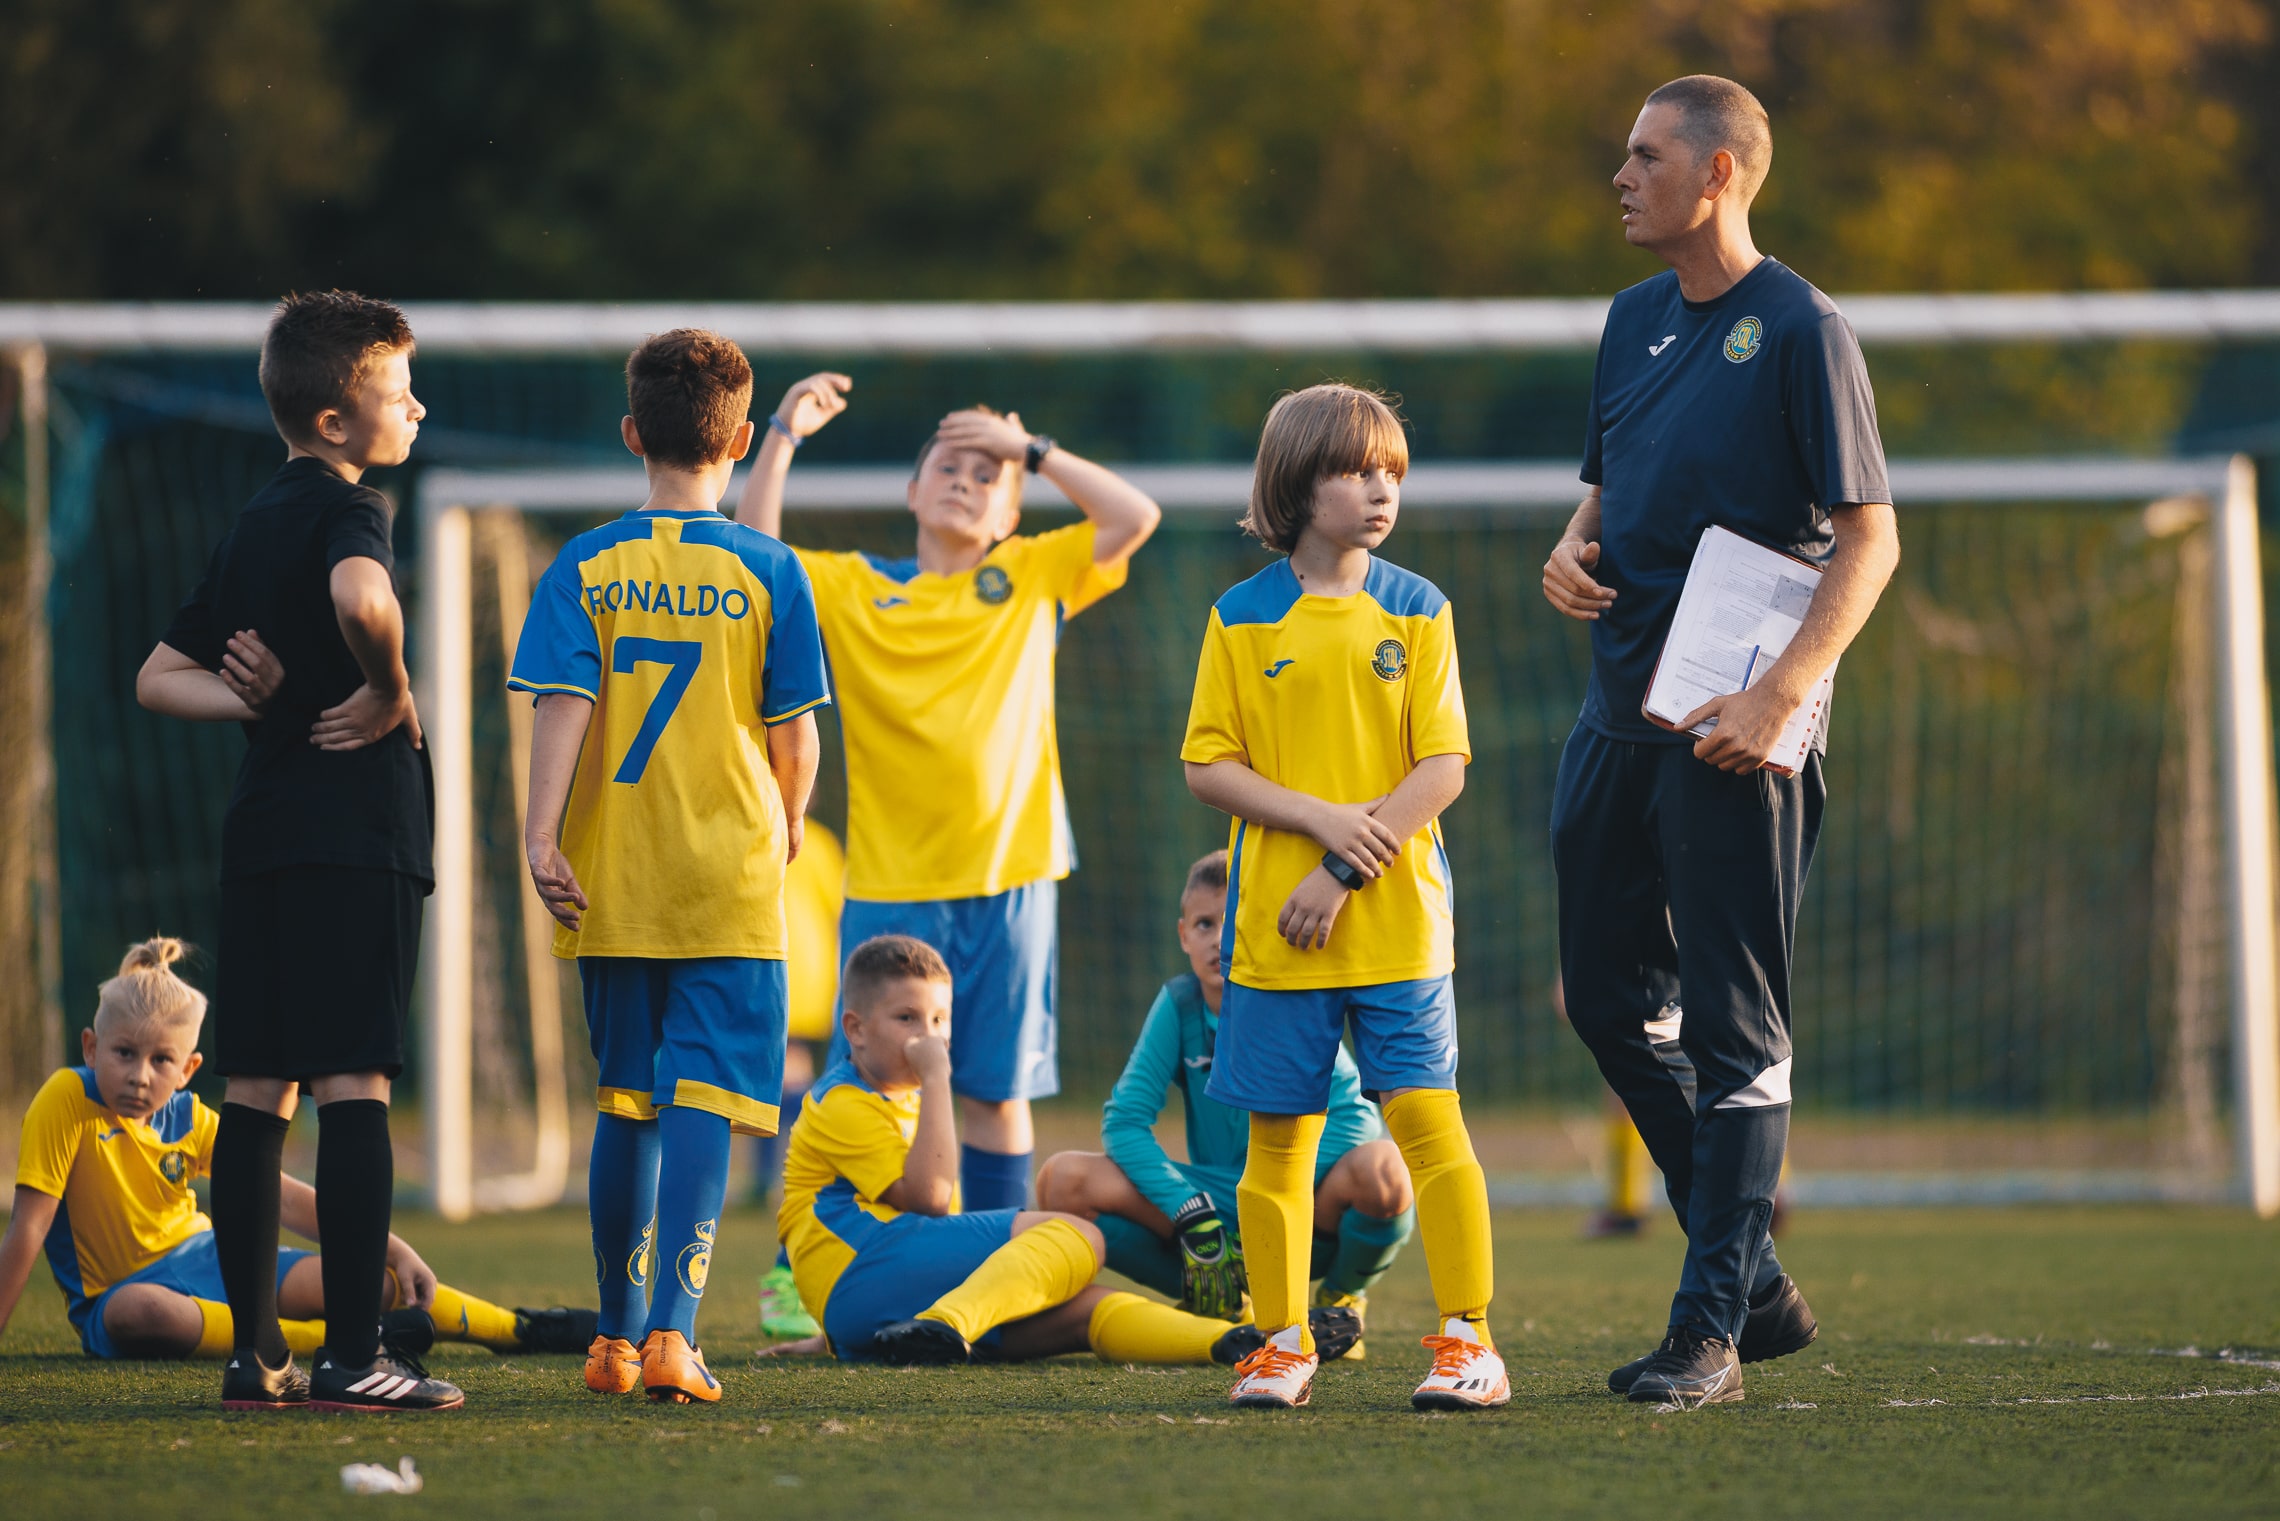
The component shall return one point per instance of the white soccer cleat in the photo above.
(1276, 1377)
(1466, 1375)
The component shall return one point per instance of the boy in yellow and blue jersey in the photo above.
(1329, 722)
(870, 1218)
(103, 1186)
(676, 666)
(943, 663)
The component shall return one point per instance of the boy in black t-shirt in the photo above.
(325, 848)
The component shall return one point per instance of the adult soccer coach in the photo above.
(1728, 391)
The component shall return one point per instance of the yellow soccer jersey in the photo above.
(1338, 698)
(125, 1184)
(945, 690)
(690, 635)
(813, 895)
(848, 1148)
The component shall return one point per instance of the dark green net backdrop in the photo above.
(2002, 918)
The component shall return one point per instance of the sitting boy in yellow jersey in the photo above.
(942, 667)
(870, 1184)
(103, 1181)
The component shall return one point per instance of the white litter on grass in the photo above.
(1911, 1404)
(372, 1479)
(1795, 1405)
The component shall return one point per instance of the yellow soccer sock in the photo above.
(302, 1337)
(1452, 1202)
(1044, 1266)
(1128, 1329)
(217, 1331)
(1275, 1203)
(1627, 1186)
(463, 1317)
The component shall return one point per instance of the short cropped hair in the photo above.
(688, 391)
(1311, 435)
(1716, 113)
(888, 958)
(146, 991)
(1207, 875)
(318, 346)
(926, 450)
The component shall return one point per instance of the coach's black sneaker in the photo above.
(1779, 1323)
(920, 1343)
(249, 1385)
(1687, 1370)
(1335, 1326)
(556, 1330)
(393, 1381)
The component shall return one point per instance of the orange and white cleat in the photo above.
(1278, 1376)
(1466, 1374)
(674, 1372)
(613, 1366)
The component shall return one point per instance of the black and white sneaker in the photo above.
(1689, 1370)
(247, 1384)
(920, 1343)
(1779, 1323)
(556, 1330)
(393, 1381)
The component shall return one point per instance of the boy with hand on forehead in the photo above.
(943, 665)
(1328, 721)
(870, 1189)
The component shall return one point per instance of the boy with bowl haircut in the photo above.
(1329, 723)
(675, 665)
(1168, 1224)
(870, 1190)
(958, 832)
(326, 847)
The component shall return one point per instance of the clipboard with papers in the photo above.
(1741, 606)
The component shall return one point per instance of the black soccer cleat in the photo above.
(1689, 1370)
(1336, 1328)
(406, 1333)
(556, 1330)
(247, 1384)
(1778, 1324)
(394, 1382)
(921, 1343)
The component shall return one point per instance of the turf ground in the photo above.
(2014, 1363)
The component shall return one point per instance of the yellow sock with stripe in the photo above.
(1452, 1203)
(1126, 1328)
(463, 1317)
(1044, 1266)
(1275, 1203)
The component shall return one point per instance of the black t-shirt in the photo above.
(296, 805)
(1752, 412)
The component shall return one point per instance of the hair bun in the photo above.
(155, 954)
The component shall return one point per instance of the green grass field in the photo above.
(2024, 1362)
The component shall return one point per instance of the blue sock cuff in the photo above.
(993, 1179)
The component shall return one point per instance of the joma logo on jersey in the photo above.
(174, 1166)
(1390, 661)
(992, 584)
(658, 597)
(1745, 340)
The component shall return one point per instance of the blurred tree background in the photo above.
(912, 149)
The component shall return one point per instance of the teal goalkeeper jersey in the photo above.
(1175, 1050)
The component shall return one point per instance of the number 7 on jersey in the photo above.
(683, 655)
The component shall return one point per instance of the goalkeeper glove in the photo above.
(1212, 1282)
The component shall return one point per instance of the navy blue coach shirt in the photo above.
(1752, 412)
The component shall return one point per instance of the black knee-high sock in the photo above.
(248, 1149)
(356, 1185)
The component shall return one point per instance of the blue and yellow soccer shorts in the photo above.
(1004, 953)
(191, 1268)
(705, 1033)
(905, 1265)
(1276, 1049)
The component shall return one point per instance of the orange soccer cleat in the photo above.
(675, 1372)
(613, 1366)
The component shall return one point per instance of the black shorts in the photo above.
(316, 972)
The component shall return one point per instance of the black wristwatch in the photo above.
(1040, 445)
(1348, 874)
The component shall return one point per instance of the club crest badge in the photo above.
(174, 1167)
(695, 1265)
(992, 584)
(1745, 340)
(1391, 660)
(644, 1253)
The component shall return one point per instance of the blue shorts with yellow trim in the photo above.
(1276, 1048)
(902, 1267)
(704, 1033)
(1004, 953)
(191, 1268)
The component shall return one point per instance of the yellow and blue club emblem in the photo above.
(174, 1166)
(695, 1265)
(1747, 337)
(992, 584)
(1390, 661)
